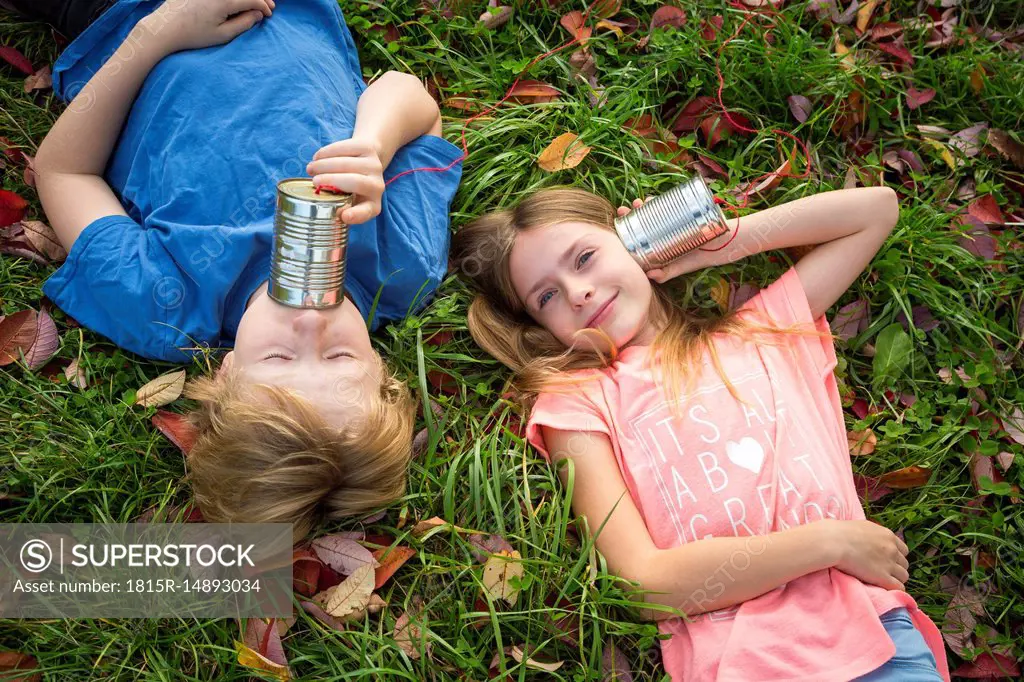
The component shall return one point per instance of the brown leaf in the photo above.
(176, 428)
(162, 390)
(564, 152)
(17, 661)
(389, 560)
(17, 334)
(668, 16)
(262, 636)
(967, 141)
(850, 320)
(44, 240)
(864, 13)
(1013, 424)
(861, 442)
(75, 374)
(342, 554)
(535, 91)
(486, 545)
(614, 664)
(986, 210)
(886, 29)
(40, 80)
(408, 633)
(495, 19)
(499, 571)
(47, 340)
(517, 653)
(1007, 146)
(573, 23)
(907, 477)
(800, 106)
(606, 8)
(977, 79)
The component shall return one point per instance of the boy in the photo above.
(160, 180)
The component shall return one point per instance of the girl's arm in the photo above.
(847, 225)
(71, 160)
(713, 573)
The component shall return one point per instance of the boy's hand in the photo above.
(194, 24)
(352, 166)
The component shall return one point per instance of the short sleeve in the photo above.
(120, 282)
(785, 303)
(406, 257)
(566, 412)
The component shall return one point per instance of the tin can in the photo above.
(307, 264)
(671, 224)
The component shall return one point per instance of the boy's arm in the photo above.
(392, 112)
(71, 160)
(848, 226)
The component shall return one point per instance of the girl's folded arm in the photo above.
(694, 578)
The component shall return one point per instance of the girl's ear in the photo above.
(226, 364)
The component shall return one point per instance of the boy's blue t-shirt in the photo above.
(210, 134)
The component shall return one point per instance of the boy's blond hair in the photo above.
(265, 455)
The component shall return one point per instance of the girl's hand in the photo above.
(624, 210)
(352, 166)
(872, 553)
(194, 24)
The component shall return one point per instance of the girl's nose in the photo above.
(309, 322)
(581, 293)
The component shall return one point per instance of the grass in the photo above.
(73, 455)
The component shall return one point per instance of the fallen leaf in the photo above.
(886, 29)
(986, 209)
(897, 50)
(47, 340)
(1005, 460)
(495, 17)
(668, 16)
(967, 141)
(408, 633)
(977, 79)
(943, 150)
(573, 23)
(1007, 146)
(864, 13)
(161, 391)
(17, 661)
(983, 467)
(905, 478)
(1013, 424)
(342, 554)
(351, 596)
(871, 489)
(252, 659)
(800, 106)
(262, 636)
(916, 98)
(75, 374)
(564, 152)
(12, 207)
(614, 664)
(520, 656)
(176, 428)
(443, 382)
(499, 571)
(610, 26)
(689, 118)
(16, 59)
(43, 239)
(486, 545)
(17, 334)
(534, 90)
(606, 8)
(305, 572)
(314, 609)
(39, 80)
(861, 442)
(989, 665)
(389, 560)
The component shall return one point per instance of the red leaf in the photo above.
(710, 28)
(441, 338)
(390, 560)
(15, 660)
(898, 51)
(986, 210)
(176, 428)
(443, 382)
(982, 466)
(17, 333)
(573, 23)
(264, 638)
(916, 98)
(989, 665)
(667, 15)
(690, 117)
(869, 488)
(12, 207)
(305, 572)
(535, 91)
(328, 578)
(16, 59)
(46, 342)
(886, 30)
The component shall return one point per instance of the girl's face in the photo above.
(575, 275)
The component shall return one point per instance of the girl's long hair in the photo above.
(500, 324)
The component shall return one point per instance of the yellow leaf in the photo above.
(864, 14)
(720, 294)
(943, 150)
(351, 596)
(427, 525)
(251, 659)
(609, 26)
(977, 79)
(498, 573)
(564, 152)
(520, 656)
(861, 442)
(843, 52)
(162, 390)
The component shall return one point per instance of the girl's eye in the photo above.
(544, 299)
(275, 355)
(586, 255)
(341, 354)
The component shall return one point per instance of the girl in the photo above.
(712, 455)
(159, 178)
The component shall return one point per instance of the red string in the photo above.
(735, 4)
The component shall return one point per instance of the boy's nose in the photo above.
(309, 322)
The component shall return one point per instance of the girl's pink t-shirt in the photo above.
(729, 469)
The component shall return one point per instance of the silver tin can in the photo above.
(671, 224)
(307, 264)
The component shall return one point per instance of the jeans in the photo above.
(69, 17)
(913, 660)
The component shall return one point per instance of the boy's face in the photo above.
(325, 354)
(564, 275)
